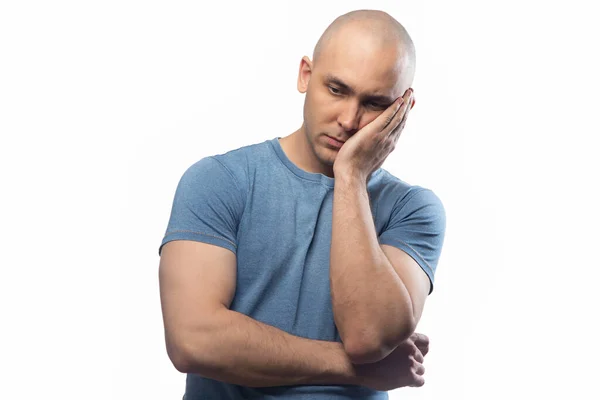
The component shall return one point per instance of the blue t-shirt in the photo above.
(276, 218)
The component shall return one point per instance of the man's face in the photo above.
(352, 83)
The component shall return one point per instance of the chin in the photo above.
(329, 156)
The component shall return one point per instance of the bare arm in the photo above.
(378, 292)
(371, 304)
(197, 285)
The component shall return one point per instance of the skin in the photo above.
(255, 354)
(358, 57)
(372, 55)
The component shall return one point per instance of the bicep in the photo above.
(195, 280)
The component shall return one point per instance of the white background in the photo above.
(103, 105)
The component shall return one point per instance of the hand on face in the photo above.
(368, 148)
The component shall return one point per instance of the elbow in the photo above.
(191, 349)
(364, 354)
(403, 333)
(374, 349)
(364, 350)
(178, 358)
(183, 356)
(181, 364)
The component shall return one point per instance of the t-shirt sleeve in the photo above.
(417, 226)
(207, 206)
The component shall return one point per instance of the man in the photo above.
(297, 267)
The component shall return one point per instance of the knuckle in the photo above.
(422, 338)
(417, 381)
(419, 357)
(414, 363)
(417, 372)
(415, 349)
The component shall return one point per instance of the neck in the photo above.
(299, 151)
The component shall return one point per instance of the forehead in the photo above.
(365, 64)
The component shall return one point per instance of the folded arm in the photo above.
(197, 285)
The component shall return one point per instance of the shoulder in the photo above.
(231, 166)
(242, 161)
(392, 188)
(401, 196)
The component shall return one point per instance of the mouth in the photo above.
(334, 142)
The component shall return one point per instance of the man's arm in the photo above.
(197, 285)
(378, 293)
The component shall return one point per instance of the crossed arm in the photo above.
(368, 292)
(229, 346)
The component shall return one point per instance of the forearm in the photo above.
(370, 302)
(240, 350)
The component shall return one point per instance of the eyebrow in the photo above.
(337, 81)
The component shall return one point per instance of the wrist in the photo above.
(340, 370)
(348, 176)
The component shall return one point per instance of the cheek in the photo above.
(320, 109)
(327, 109)
(312, 107)
(319, 96)
(368, 117)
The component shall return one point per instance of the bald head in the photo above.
(379, 28)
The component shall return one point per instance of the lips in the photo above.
(341, 141)
(334, 142)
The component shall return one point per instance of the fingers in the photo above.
(395, 122)
(388, 116)
(419, 356)
(407, 106)
(423, 348)
(418, 378)
(393, 118)
(420, 338)
(395, 111)
(421, 341)
(419, 369)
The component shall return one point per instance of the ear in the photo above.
(304, 74)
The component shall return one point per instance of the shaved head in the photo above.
(362, 63)
(378, 27)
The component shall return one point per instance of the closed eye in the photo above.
(337, 92)
(376, 105)
(334, 90)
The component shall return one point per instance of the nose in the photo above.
(349, 117)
